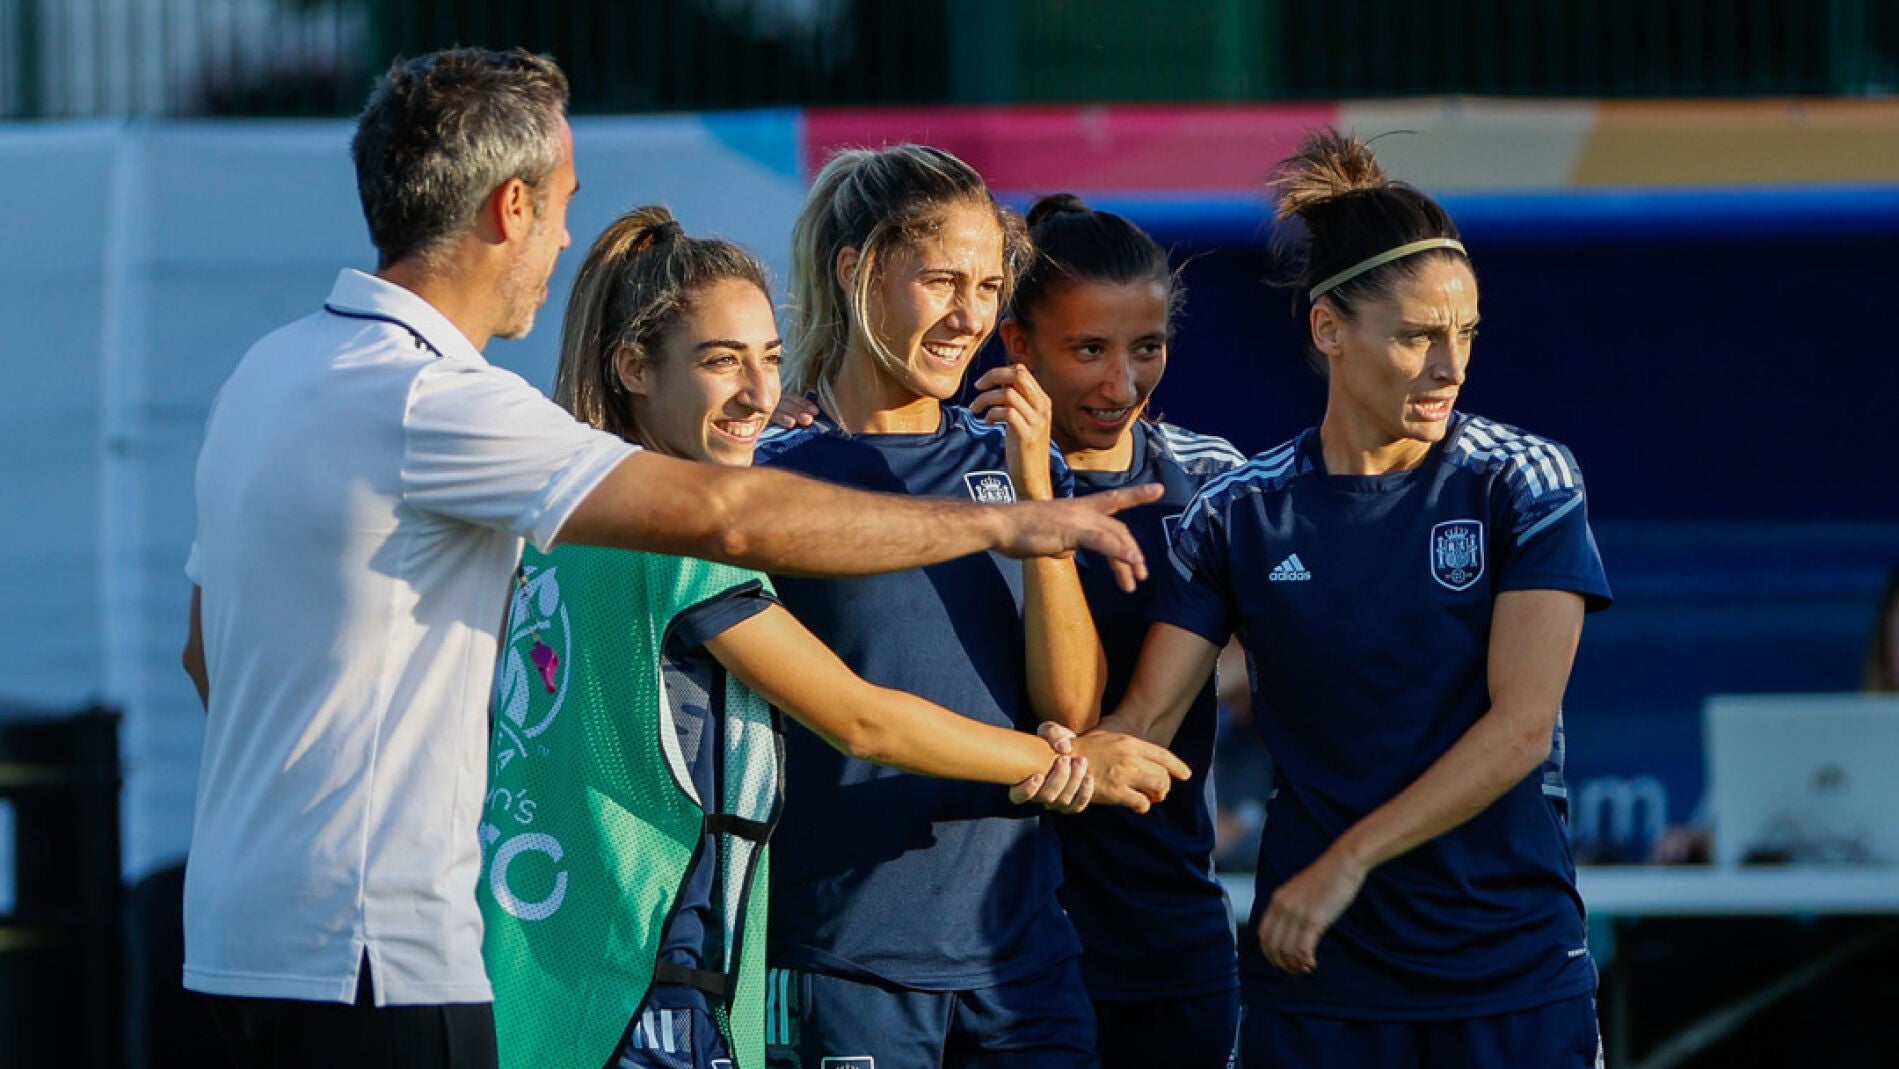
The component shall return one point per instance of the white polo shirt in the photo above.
(365, 484)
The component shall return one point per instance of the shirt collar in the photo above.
(366, 294)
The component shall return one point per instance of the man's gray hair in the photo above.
(441, 132)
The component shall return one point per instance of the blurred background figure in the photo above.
(1882, 652)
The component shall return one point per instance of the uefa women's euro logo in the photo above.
(531, 679)
(1457, 553)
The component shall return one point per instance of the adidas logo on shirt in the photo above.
(1290, 570)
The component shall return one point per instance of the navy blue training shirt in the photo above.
(931, 883)
(1153, 918)
(1364, 603)
(695, 688)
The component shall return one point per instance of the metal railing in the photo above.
(62, 58)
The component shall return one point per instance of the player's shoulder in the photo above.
(1531, 465)
(777, 441)
(961, 421)
(1201, 455)
(1264, 473)
(968, 435)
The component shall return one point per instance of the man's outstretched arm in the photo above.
(778, 522)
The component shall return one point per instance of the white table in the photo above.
(1722, 891)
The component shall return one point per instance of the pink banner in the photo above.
(1090, 149)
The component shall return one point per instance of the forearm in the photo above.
(1175, 663)
(776, 656)
(1498, 751)
(1067, 670)
(1533, 638)
(900, 730)
(775, 521)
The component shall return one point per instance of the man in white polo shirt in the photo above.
(365, 484)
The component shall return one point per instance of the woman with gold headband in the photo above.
(1410, 583)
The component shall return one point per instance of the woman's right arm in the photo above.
(1175, 663)
(775, 655)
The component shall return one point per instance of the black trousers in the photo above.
(274, 1033)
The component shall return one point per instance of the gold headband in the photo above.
(1382, 259)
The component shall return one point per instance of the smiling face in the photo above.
(1098, 349)
(1397, 365)
(935, 300)
(708, 389)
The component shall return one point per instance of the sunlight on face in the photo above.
(523, 289)
(707, 392)
(936, 300)
(1098, 349)
(1396, 368)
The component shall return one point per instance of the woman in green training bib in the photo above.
(636, 755)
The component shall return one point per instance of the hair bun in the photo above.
(650, 227)
(1047, 207)
(1327, 166)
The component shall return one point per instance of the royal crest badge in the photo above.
(990, 487)
(1457, 553)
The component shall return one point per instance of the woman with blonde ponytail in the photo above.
(1409, 582)
(636, 770)
(914, 922)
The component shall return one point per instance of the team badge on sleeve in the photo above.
(990, 487)
(1457, 553)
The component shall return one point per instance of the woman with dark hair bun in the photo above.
(1409, 583)
(1091, 320)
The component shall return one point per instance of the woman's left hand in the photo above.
(1066, 786)
(1304, 908)
(1011, 396)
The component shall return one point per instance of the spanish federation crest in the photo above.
(1457, 553)
(990, 487)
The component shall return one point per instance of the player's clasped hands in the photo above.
(1104, 766)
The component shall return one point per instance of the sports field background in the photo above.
(1694, 294)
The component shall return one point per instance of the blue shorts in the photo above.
(1560, 1035)
(674, 1029)
(1190, 1033)
(818, 1021)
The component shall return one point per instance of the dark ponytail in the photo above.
(639, 277)
(1075, 243)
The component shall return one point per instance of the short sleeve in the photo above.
(716, 615)
(482, 446)
(194, 568)
(1542, 524)
(1194, 591)
(702, 599)
(1061, 477)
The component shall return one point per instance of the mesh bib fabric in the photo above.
(591, 819)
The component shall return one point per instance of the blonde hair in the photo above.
(874, 201)
(638, 279)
